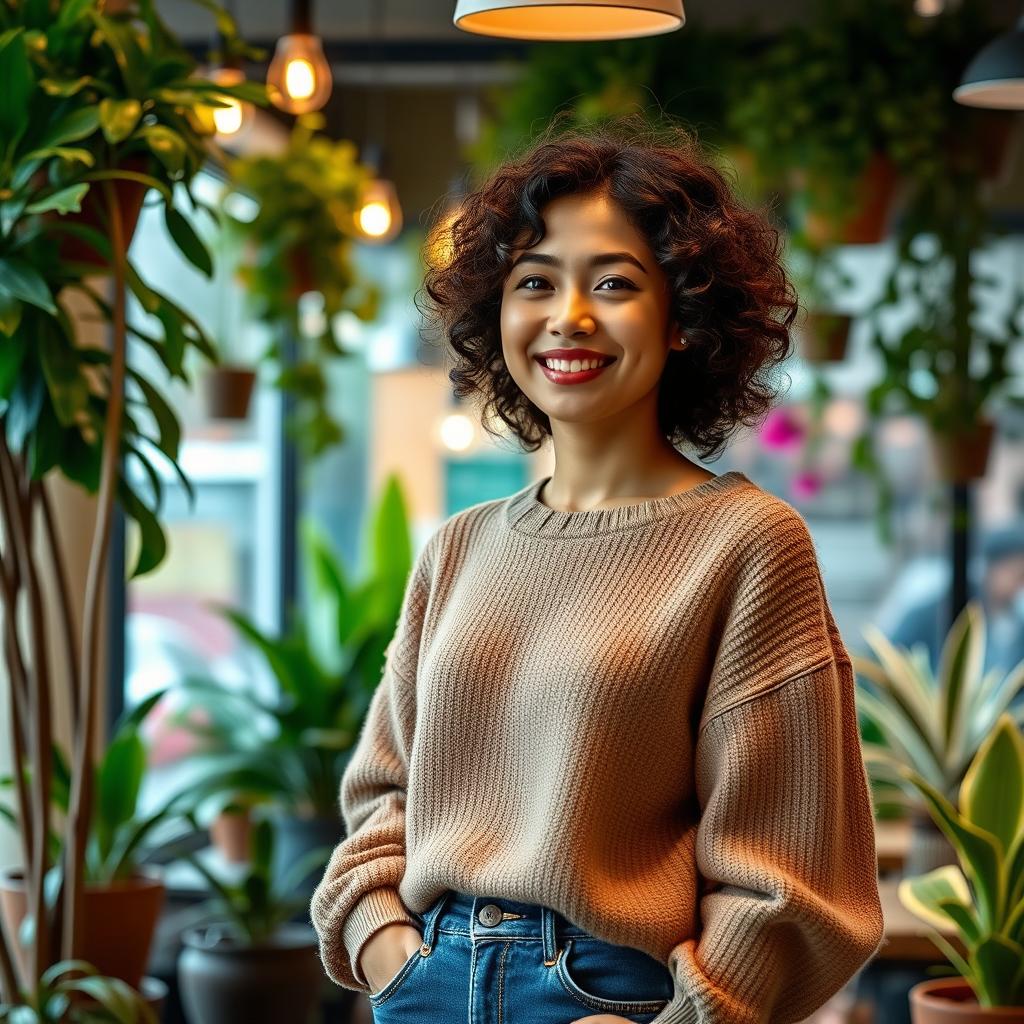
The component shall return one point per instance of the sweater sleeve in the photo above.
(785, 841)
(358, 894)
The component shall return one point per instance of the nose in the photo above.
(573, 319)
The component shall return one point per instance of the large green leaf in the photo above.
(153, 546)
(186, 239)
(120, 780)
(16, 82)
(20, 280)
(992, 793)
(77, 125)
(118, 118)
(978, 850)
(66, 200)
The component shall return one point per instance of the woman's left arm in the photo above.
(787, 838)
(786, 835)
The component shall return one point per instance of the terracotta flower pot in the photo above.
(120, 919)
(230, 832)
(962, 457)
(300, 267)
(952, 1001)
(825, 337)
(867, 223)
(227, 391)
(129, 196)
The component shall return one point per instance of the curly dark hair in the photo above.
(730, 290)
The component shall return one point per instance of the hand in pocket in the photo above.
(386, 951)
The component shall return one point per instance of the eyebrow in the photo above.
(596, 261)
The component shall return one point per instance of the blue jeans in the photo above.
(491, 960)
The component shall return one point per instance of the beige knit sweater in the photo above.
(642, 717)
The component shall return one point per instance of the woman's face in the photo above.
(591, 287)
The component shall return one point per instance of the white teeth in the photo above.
(574, 365)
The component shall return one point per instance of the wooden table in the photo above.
(892, 840)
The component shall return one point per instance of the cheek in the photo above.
(517, 325)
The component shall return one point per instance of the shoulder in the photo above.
(760, 538)
(450, 537)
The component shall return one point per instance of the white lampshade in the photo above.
(569, 19)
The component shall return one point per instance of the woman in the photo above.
(612, 771)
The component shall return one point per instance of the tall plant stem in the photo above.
(80, 810)
(21, 508)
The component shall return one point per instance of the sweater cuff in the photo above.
(679, 1010)
(377, 908)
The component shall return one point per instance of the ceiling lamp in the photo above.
(569, 19)
(995, 78)
(299, 77)
(379, 213)
(233, 120)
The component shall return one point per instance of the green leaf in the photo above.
(118, 118)
(68, 153)
(153, 548)
(992, 792)
(68, 386)
(78, 125)
(188, 241)
(120, 779)
(65, 87)
(16, 81)
(168, 146)
(10, 317)
(72, 11)
(20, 280)
(67, 200)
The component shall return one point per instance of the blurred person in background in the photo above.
(919, 612)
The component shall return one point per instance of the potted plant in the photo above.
(88, 90)
(248, 962)
(61, 998)
(935, 722)
(983, 898)
(295, 744)
(123, 894)
(301, 240)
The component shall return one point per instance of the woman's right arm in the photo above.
(358, 894)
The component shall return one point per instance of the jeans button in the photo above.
(489, 915)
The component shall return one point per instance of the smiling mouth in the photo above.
(573, 371)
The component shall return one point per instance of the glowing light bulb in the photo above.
(230, 121)
(299, 77)
(456, 432)
(379, 217)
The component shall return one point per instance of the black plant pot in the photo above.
(224, 981)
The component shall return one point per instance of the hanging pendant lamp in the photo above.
(577, 20)
(299, 77)
(995, 78)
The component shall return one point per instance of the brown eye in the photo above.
(526, 280)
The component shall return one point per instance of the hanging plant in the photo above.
(301, 240)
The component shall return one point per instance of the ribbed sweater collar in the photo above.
(526, 513)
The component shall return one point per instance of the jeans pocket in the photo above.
(613, 979)
(398, 979)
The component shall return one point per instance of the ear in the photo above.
(676, 338)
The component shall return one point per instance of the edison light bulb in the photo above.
(236, 116)
(379, 217)
(299, 78)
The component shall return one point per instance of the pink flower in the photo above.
(806, 484)
(781, 430)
